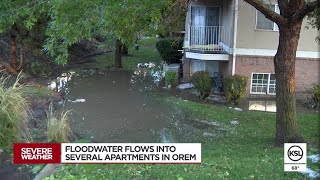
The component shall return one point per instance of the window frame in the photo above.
(275, 27)
(268, 85)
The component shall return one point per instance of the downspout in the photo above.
(235, 29)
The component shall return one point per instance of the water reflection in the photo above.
(269, 106)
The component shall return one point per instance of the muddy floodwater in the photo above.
(119, 106)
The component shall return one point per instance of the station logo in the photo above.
(295, 156)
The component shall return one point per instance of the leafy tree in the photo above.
(17, 17)
(314, 20)
(173, 18)
(116, 19)
(289, 22)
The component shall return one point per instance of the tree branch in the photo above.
(263, 8)
(306, 9)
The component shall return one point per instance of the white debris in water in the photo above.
(77, 100)
(146, 65)
(185, 86)
(237, 109)
(157, 76)
(314, 158)
(234, 122)
(311, 173)
(61, 82)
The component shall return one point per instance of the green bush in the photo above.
(13, 114)
(203, 83)
(314, 100)
(171, 78)
(168, 49)
(40, 69)
(235, 88)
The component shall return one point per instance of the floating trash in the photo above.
(146, 65)
(314, 158)
(185, 86)
(77, 100)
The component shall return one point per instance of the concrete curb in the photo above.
(47, 171)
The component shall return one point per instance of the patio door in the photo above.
(213, 28)
(204, 25)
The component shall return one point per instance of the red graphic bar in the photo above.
(37, 153)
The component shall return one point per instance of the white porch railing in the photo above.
(208, 38)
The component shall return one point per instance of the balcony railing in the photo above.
(208, 38)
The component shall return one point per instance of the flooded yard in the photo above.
(120, 106)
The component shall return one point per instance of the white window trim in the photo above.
(274, 24)
(268, 93)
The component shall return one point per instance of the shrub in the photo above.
(235, 88)
(168, 49)
(171, 78)
(316, 92)
(58, 128)
(13, 114)
(203, 83)
(40, 69)
(313, 101)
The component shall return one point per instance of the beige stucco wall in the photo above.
(227, 19)
(250, 38)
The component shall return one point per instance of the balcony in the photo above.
(208, 39)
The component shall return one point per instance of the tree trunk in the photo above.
(125, 50)
(118, 54)
(284, 62)
(13, 51)
(21, 60)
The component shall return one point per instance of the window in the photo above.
(205, 16)
(263, 23)
(197, 66)
(210, 66)
(263, 83)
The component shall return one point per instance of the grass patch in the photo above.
(37, 91)
(146, 53)
(246, 152)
